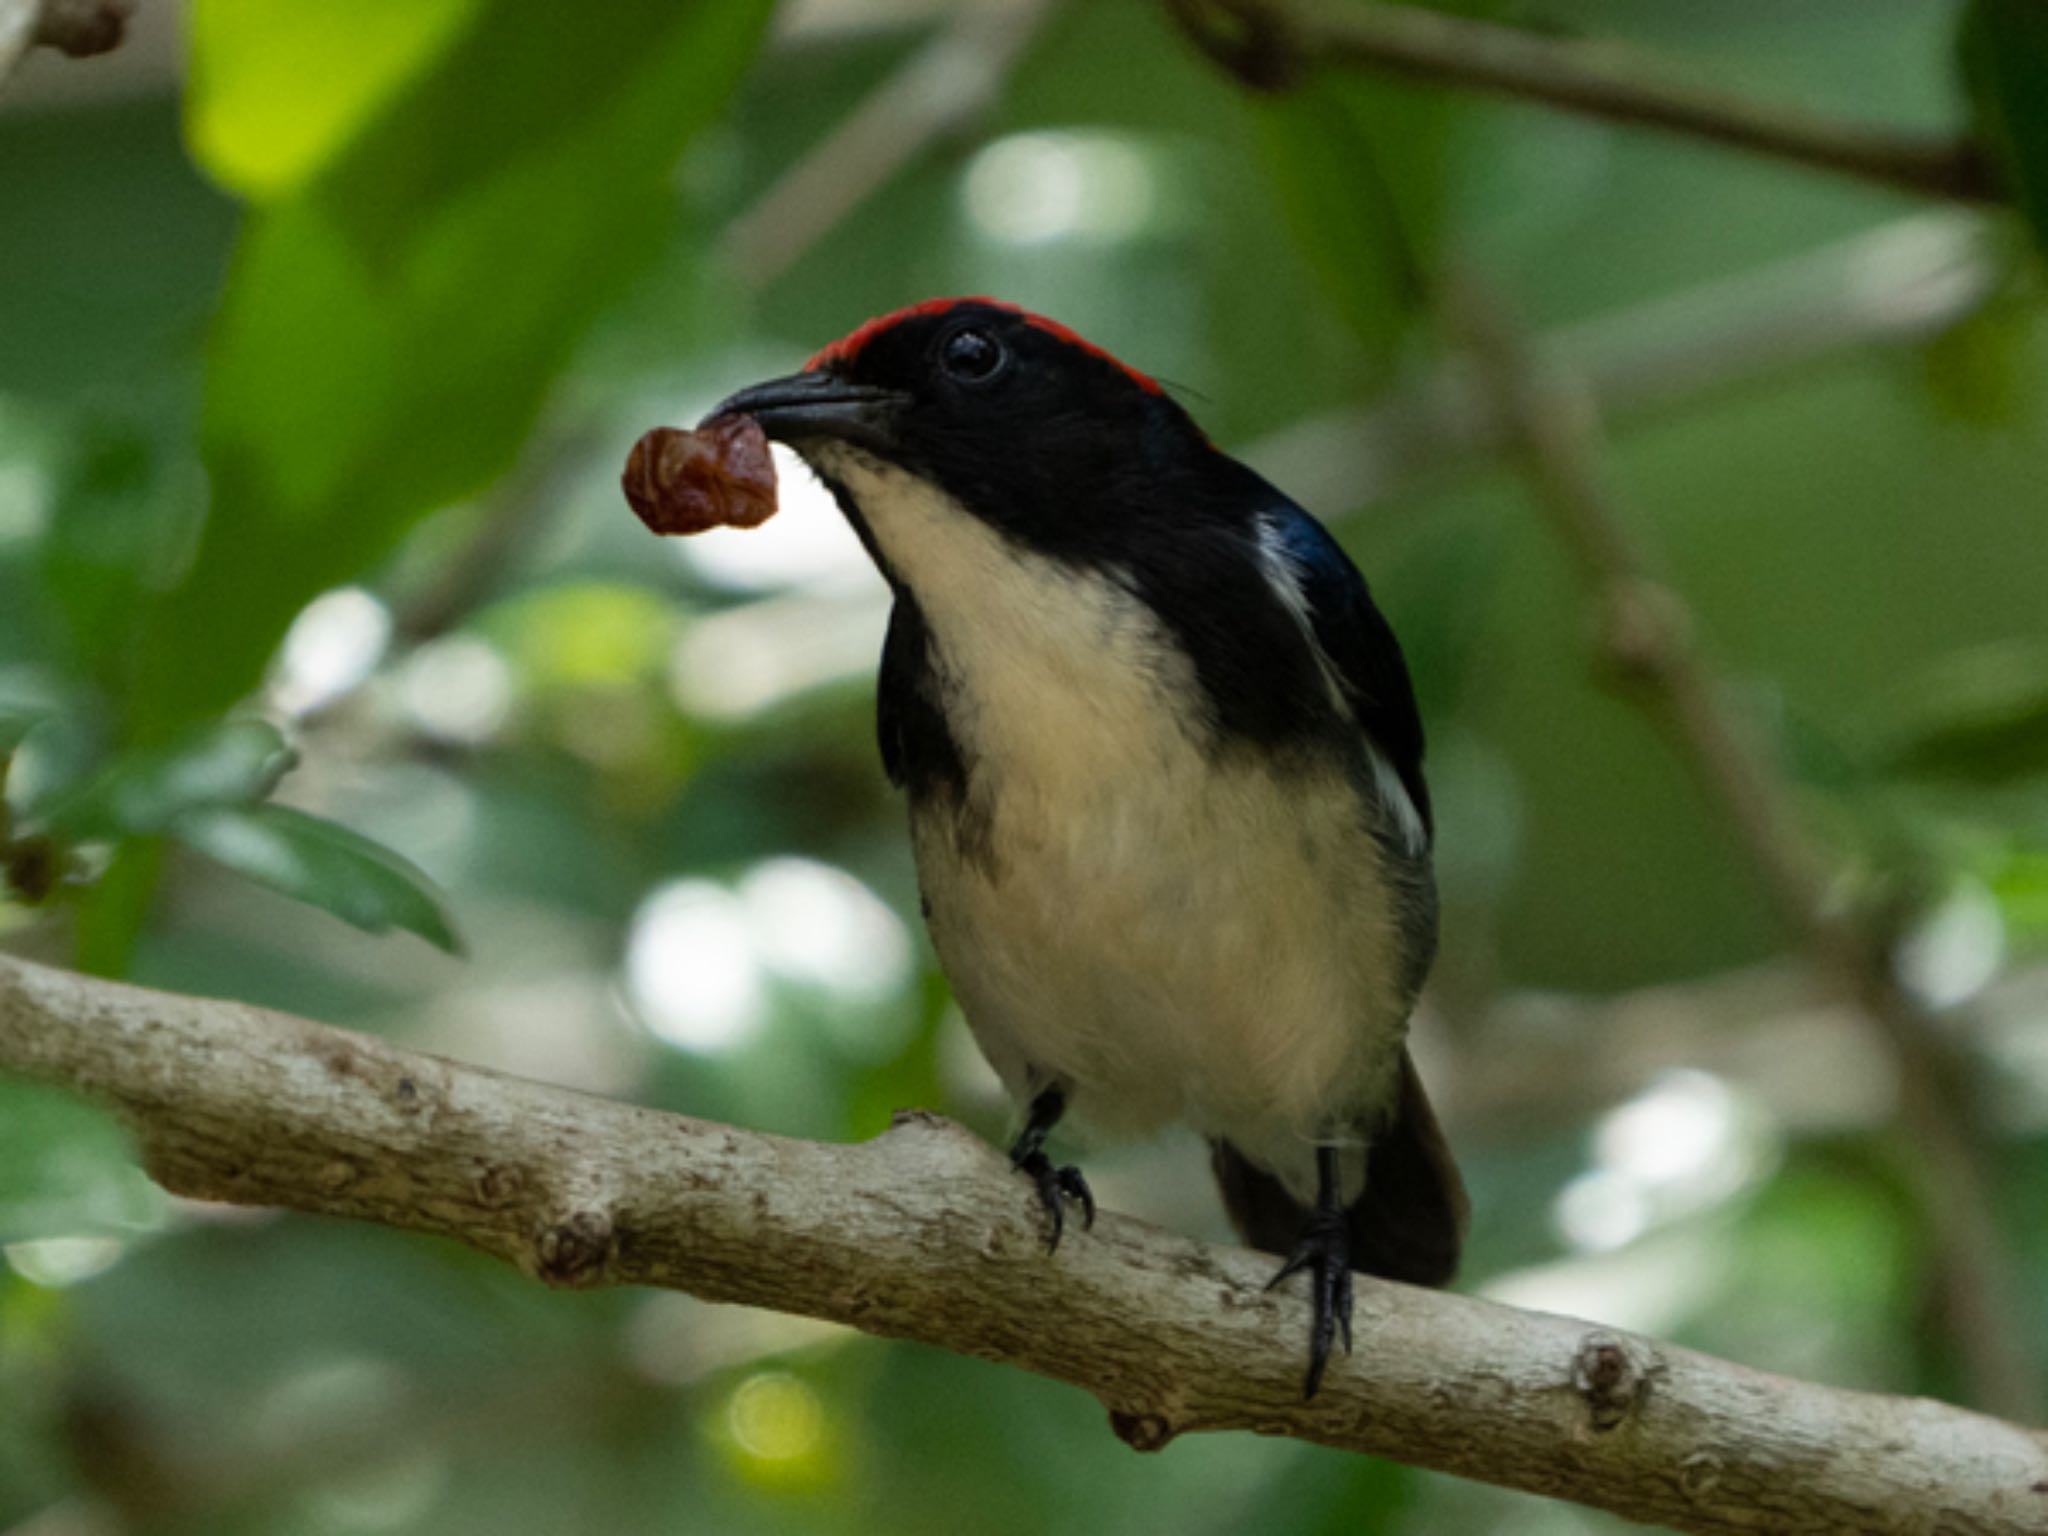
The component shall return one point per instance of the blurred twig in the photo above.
(508, 522)
(1273, 44)
(940, 91)
(83, 29)
(78, 28)
(18, 23)
(1898, 284)
(1540, 1064)
(1647, 646)
(925, 1233)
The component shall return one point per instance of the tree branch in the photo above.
(924, 1234)
(1273, 44)
(1647, 646)
(1538, 1064)
(1899, 284)
(19, 20)
(938, 92)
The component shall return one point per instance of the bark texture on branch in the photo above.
(924, 1234)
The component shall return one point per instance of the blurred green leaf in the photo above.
(96, 544)
(390, 328)
(590, 634)
(1365, 219)
(16, 723)
(1980, 716)
(237, 762)
(2020, 886)
(1331, 1494)
(1978, 370)
(127, 504)
(324, 864)
(2002, 46)
(1362, 168)
(66, 1167)
(52, 759)
(275, 90)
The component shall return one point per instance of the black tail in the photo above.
(1407, 1225)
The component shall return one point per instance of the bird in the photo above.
(1163, 765)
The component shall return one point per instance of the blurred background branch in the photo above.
(1901, 284)
(1272, 44)
(1647, 648)
(937, 94)
(920, 1234)
(1539, 1062)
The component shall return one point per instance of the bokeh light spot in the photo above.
(775, 1416)
(458, 689)
(1030, 188)
(1957, 950)
(1681, 1129)
(821, 926)
(333, 645)
(55, 1262)
(691, 968)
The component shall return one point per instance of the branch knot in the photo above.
(81, 29)
(1645, 632)
(1142, 1431)
(575, 1250)
(1610, 1380)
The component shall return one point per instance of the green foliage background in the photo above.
(375, 296)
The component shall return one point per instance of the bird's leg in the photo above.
(1055, 1185)
(1325, 1251)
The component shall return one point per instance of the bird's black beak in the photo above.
(806, 407)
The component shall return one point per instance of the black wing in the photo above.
(1360, 644)
(918, 751)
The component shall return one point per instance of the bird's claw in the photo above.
(1056, 1186)
(1325, 1251)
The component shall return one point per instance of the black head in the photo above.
(1017, 418)
(1025, 429)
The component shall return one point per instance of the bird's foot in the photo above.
(1056, 1186)
(1325, 1251)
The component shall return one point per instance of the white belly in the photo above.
(1174, 938)
(1213, 949)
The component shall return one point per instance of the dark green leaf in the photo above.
(1979, 370)
(237, 762)
(1363, 168)
(1364, 219)
(126, 506)
(52, 759)
(392, 324)
(2003, 49)
(1980, 716)
(66, 1168)
(325, 864)
(16, 724)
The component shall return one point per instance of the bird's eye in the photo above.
(972, 356)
